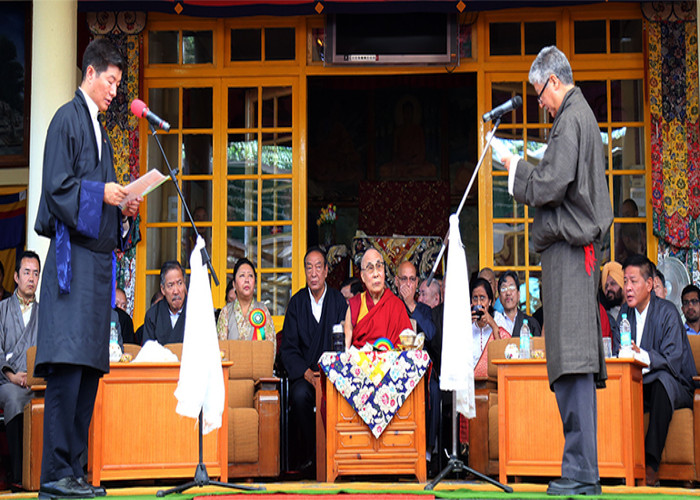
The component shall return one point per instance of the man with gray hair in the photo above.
(165, 321)
(569, 190)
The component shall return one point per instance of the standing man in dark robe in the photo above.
(659, 340)
(165, 320)
(569, 190)
(308, 325)
(79, 212)
(18, 326)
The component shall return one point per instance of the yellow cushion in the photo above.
(240, 393)
(251, 358)
(242, 435)
(680, 440)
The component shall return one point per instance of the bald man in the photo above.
(376, 312)
(406, 281)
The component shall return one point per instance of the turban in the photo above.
(613, 269)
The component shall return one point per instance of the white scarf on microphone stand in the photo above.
(201, 384)
(457, 372)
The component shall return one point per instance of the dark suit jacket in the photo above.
(304, 339)
(670, 356)
(156, 325)
(534, 325)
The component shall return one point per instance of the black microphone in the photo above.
(139, 108)
(504, 108)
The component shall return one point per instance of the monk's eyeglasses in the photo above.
(539, 97)
(379, 266)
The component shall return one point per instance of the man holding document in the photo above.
(79, 212)
(569, 190)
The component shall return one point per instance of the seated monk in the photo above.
(376, 312)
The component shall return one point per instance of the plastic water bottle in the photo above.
(625, 338)
(525, 341)
(115, 352)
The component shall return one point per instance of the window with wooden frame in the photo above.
(232, 144)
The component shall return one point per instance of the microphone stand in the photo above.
(454, 464)
(205, 255)
(489, 137)
(201, 477)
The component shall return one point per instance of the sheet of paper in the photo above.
(143, 185)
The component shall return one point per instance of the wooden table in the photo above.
(351, 448)
(136, 434)
(531, 440)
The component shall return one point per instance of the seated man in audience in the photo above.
(351, 287)
(512, 317)
(165, 321)
(377, 312)
(308, 326)
(406, 283)
(658, 339)
(690, 305)
(430, 295)
(19, 316)
(659, 284)
(612, 280)
(126, 325)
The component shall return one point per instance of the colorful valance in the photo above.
(374, 383)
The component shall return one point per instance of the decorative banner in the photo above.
(675, 132)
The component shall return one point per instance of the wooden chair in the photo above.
(680, 459)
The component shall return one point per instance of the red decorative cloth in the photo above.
(387, 318)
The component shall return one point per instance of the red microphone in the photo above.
(139, 108)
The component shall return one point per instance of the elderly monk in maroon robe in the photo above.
(376, 312)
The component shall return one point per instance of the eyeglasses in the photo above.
(412, 279)
(690, 302)
(508, 288)
(539, 97)
(379, 266)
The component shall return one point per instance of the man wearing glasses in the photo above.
(376, 312)
(512, 317)
(569, 189)
(690, 304)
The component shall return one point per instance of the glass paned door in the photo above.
(258, 191)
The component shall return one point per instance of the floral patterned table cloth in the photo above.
(375, 383)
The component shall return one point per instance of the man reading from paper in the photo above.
(569, 189)
(376, 312)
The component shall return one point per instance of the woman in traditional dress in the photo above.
(484, 326)
(245, 318)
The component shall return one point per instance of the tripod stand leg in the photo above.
(451, 466)
(456, 465)
(201, 477)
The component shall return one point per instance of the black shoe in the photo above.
(99, 491)
(16, 488)
(67, 487)
(569, 487)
